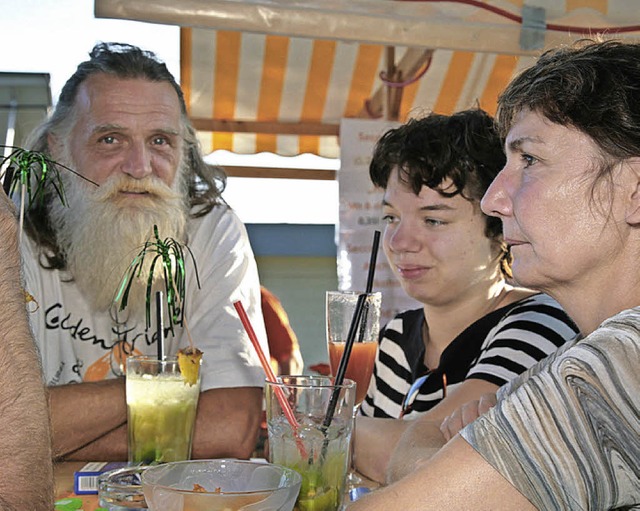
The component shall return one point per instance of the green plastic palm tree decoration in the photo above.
(31, 172)
(171, 255)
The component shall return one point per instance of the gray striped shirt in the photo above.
(566, 433)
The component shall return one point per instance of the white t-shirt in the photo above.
(77, 344)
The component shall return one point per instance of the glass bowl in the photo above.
(223, 484)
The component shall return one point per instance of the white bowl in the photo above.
(223, 484)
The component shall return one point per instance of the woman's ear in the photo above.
(632, 215)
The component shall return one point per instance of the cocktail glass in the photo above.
(340, 309)
(319, 453)
(161, 410)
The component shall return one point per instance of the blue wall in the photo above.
(292, 240)
(298, 264)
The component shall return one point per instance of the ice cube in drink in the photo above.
(161, 413)
(325, 468)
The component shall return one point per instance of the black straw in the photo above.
(372, 261)
(160, 325)
(353, 328)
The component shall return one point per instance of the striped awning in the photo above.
(278, 75)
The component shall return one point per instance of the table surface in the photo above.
(63, 477)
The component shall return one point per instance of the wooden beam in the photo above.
(280, 173)
(272, 127)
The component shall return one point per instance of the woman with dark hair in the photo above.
(475, 331)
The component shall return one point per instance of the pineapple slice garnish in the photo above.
(189, 361)
(32, 303)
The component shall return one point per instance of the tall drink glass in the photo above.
(318, 453)
(340, 309)
(161, 410)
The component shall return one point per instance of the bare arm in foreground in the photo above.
(388, 449)
(457, 477)
(226, 426)
(26, 474)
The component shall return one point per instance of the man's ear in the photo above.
(632, 215)
(53, 144)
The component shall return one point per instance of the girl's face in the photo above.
(436, 245)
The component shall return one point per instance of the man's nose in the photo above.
(137, 161)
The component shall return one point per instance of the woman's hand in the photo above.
(466, 414)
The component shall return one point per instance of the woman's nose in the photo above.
(497, 201)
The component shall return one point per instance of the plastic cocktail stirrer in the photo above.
(288, 412)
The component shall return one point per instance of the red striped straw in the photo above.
(288, 412)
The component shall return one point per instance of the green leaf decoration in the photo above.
(170, 254)
(34, 171)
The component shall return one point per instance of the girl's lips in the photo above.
(412, 272)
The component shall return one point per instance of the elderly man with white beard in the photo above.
(121, 124)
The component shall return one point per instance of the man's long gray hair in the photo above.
(202, 183)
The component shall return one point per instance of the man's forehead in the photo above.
(107, 95)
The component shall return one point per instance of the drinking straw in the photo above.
(372, 261)
(369, 288)
(353, 328)
(288, 412)
(160, 325)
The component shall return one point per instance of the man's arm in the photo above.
(226, 426)
(457, 477)
(228, 422)
(407, 443)
(87, 415)
(26, 476)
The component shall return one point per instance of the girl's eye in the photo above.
(434, 222)
(388, 219)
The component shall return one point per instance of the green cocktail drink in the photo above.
(323, 471)
(161, 408)
(318, 454)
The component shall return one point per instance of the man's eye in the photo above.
(109, 139)
(160, 141)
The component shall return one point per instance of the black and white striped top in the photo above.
(496, 348)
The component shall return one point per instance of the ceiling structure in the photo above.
(25, 99)
(279, 75)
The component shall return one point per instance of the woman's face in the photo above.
(563, 231)
(436, 245)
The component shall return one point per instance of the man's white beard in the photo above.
(100, 234)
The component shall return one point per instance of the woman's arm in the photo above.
(457, 477)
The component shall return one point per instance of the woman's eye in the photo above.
(388, 219)
(528, 160)
(433, 221)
